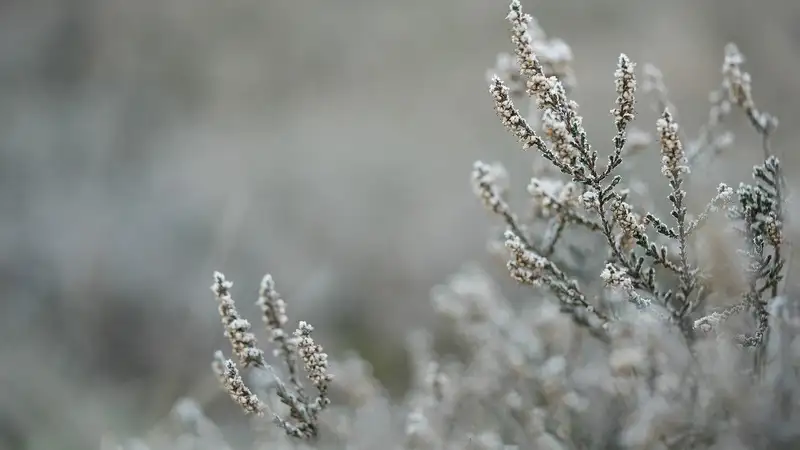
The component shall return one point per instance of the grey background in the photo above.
(144, 144)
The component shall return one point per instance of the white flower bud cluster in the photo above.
(616, 277)
(273, 308)
(556, 131)
(525, 265)
(625, 83)
(237, 330)
(735, 80)
(628, 221)
(489, 183)
(673, 159)
(549, 193)
(510, 116)
(228, 374)
(590, 200)
(314, 359)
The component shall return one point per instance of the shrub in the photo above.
(628, 340)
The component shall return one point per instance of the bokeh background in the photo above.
(144, 144)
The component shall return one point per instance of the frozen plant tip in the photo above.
(273, 309)
(238, 391)
(625, 83)
(314, 359)
(489, 184)
(673, 160)
(237, 330)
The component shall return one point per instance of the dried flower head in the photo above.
(314, 359)
(236, 388)
(625, 83)
(673, 160)
(237, 330)
(489, 183)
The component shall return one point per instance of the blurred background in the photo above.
(144, 144)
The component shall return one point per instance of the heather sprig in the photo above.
(759, 214)
(652, 270)
(303, 420)
(273, 309)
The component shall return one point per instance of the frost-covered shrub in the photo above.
(627, 340)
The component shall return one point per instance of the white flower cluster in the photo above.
(314, 359)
